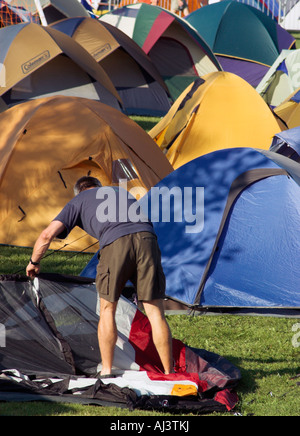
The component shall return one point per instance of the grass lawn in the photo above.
(264, 348)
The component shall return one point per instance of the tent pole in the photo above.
(41, 12)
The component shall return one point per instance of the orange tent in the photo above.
(289, 110)
(47, 144)
(218, 111)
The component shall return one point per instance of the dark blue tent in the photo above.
(246, 252)
(287, 143)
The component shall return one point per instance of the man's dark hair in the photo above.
(86, 182)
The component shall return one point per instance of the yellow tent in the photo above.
(218, 111)
(289, 110)
(47, 144)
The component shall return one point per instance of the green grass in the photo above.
(296, 35)
(13, 260)
(147, 123)
(260, 346)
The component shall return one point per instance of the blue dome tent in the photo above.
(246, 253)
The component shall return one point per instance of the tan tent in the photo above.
(139, 84)
(47, 144)
(40, 61)
(218, 111)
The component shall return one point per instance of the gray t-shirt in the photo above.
(105, 214)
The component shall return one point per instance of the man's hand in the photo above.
(32, 270)
(41, 246)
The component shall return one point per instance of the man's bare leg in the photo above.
(161, 333)
(107, 334)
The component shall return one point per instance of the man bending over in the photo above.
(128, 251)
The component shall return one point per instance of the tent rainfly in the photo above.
(219, 110)
(231, 239)
(282, 79)
(47, 144)
(245, 40)
(179, 53)
(287, 143)
(40, 61)
(289, 110)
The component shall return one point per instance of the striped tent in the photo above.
(175, 48)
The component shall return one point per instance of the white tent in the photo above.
(282, 79)
(291, 20)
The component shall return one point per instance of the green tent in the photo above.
(245, 40)
(176, 49)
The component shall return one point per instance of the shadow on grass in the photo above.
(260, 369)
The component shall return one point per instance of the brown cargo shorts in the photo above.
(135, 257)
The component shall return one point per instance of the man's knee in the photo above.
(154, 309)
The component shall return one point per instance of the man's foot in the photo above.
(103, 376)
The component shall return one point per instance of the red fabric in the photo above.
(148, 359)
(161, 24)
(140, 338)
(177, 377)
(146, 356)
(187, 364)
(228, 398)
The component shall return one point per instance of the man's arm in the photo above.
(41, 246)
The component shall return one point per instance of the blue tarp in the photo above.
(255, 262)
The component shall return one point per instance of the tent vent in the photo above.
(24, 214)
(62, 179)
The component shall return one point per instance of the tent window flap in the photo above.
(123, 169)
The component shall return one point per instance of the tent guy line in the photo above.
(60, 249)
